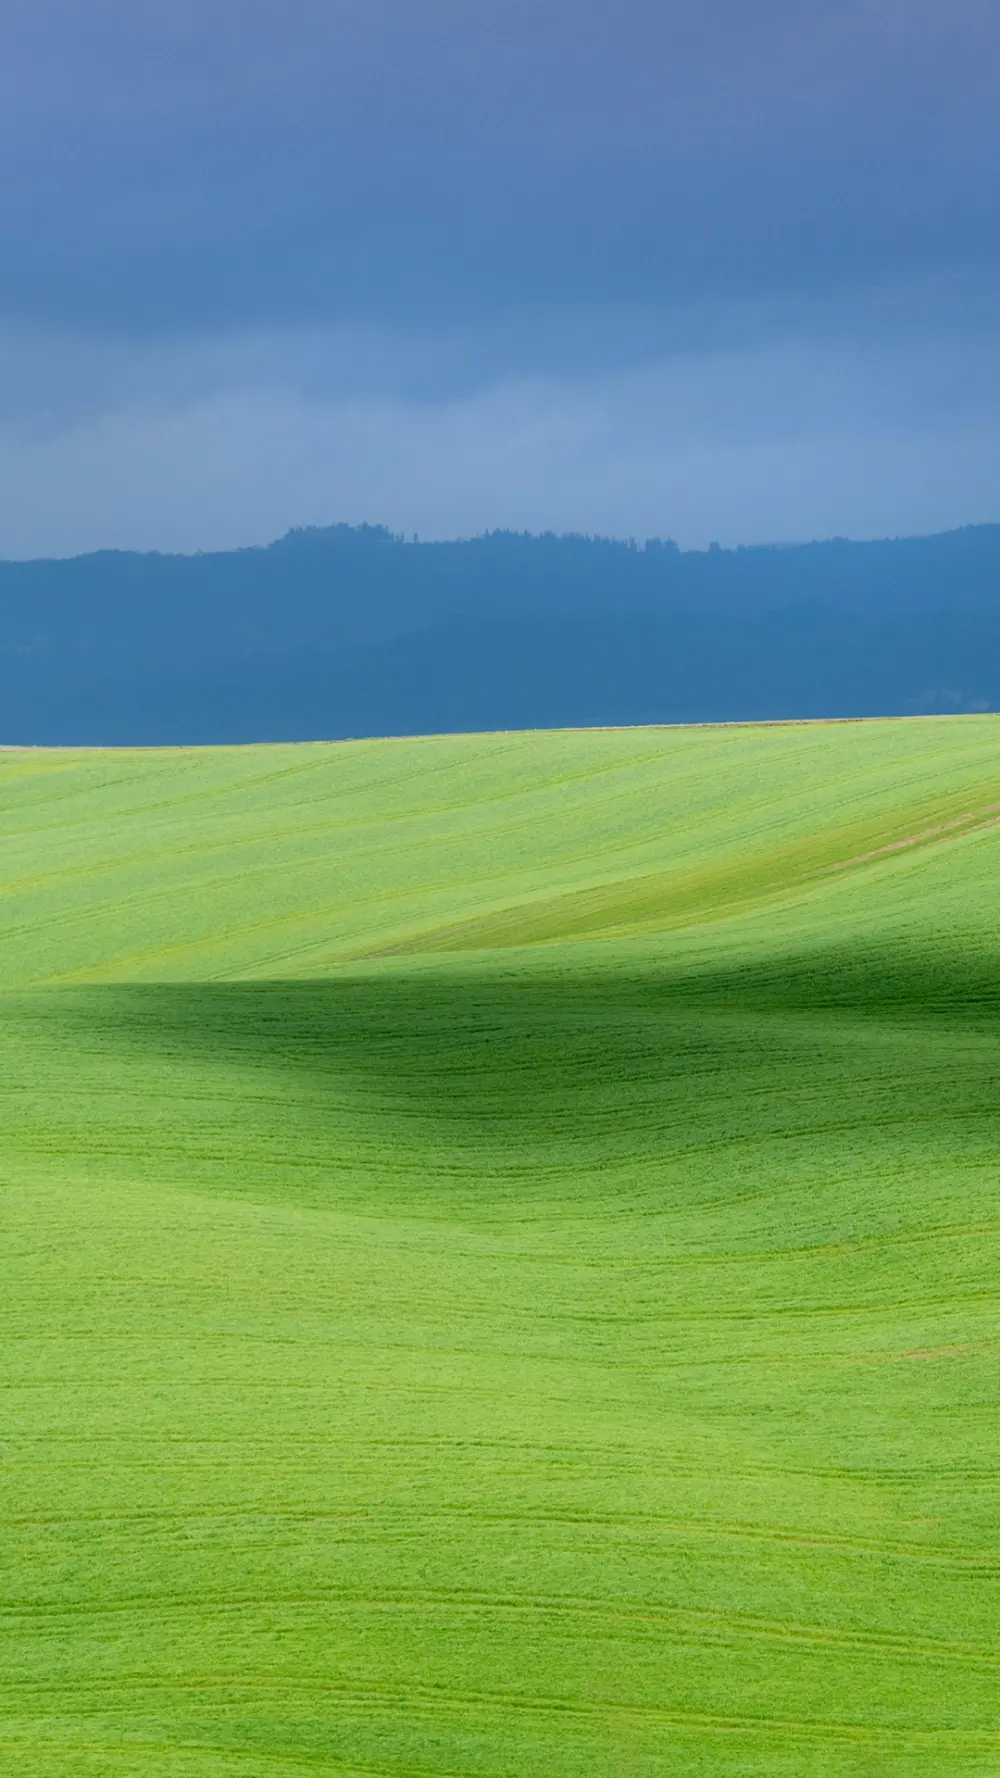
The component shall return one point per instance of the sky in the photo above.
(725, 271)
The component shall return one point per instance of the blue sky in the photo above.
(718, 271)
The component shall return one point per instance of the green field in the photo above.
(500, 1257)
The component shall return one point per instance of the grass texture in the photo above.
(500, 1255)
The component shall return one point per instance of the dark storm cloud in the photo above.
(716, 270)
(219, 164)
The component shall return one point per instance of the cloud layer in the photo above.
(723, 271)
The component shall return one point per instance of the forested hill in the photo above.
(354, 631)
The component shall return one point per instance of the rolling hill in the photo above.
(500, 1256)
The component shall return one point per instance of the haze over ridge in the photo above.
(349, 631)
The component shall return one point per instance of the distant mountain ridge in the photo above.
(354, 631)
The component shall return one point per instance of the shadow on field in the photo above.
(556, 1074)
(519, 994)
(531, 1025)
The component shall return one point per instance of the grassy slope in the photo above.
(433, 1352)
